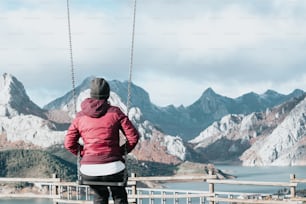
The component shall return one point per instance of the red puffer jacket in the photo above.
(98, 124)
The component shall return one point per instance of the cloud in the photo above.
(185, 46)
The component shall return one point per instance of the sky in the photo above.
(181, 47)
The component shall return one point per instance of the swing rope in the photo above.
(131, 61)
(73, 80)
(127, 103)
(71, 58)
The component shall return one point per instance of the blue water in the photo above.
(281, 174)
(273, 174)
(26, 201)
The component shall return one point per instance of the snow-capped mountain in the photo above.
(267, 129)
(30, 130)
(24, 127)
(14, 100)
(286, 145)
(186, 122)
(22, 121)
(212, 107)
(274, 137)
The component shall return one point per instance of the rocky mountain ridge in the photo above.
(274, 137)
(230, 138)
(12, 106)
(186, 122)
(31, 130)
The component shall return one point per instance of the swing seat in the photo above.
(122, 183)
(102, 183)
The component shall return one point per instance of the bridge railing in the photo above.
(50, 183)
(71, 192)
(253, 198)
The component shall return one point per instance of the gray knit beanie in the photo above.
(99, 89)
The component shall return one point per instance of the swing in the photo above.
(80, 181)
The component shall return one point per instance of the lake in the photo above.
(281, 174)
(273, 174)
(26, 201)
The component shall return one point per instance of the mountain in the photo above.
(21, 119)
(185, 122)
(212, 107)
(220, 128)
(35, 163)
(226, 140)
(274, 137)
(14, 99)
(66, 102)
(32, 131)
(286, 145)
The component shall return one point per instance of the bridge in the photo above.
(61, 192)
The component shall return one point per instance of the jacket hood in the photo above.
(94, 108)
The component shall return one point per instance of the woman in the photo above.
(98, 124)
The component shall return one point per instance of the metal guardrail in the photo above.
(68, 192)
